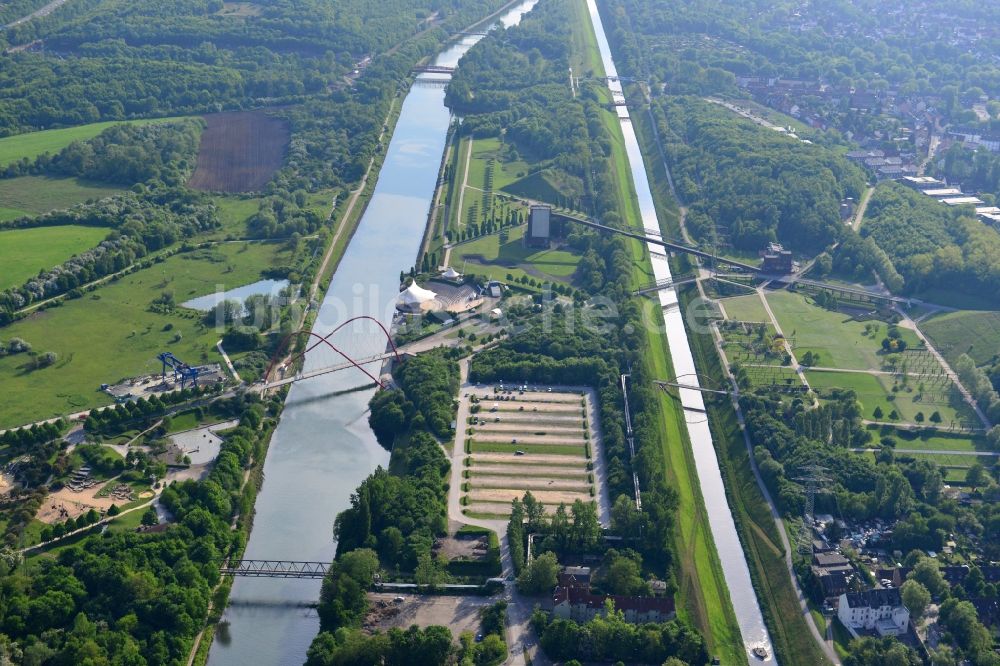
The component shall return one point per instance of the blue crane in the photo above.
(182, 371)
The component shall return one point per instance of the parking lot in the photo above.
(528, 438)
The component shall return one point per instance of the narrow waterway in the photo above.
(720, 518)
(323, 447)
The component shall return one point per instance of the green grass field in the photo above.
(486, 255)
(810, 327)
(33, 195)
(33, 144)
(874, 391)
(745, 308)
(974, 333)
(555, 449)
(111, 334)
(953, 460)
(933, 440)
(24, 252)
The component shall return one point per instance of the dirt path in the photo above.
(41, 12)
(465, 182)
(907, 322)
(862, 207)
(784, 340)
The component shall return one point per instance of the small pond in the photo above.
(206, 303)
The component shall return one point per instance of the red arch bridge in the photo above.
(320, 340)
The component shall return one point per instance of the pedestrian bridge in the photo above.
(274, 569)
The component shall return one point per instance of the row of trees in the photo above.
(608, 637)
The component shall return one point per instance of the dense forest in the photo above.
(932, 245)
(103, 62)
(755, 183)
(699, 48)
(513, 84)
(971, 170)
(135, 598)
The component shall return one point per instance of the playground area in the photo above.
(519, 439)
(66, 503)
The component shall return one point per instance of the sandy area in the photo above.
(544, 496)
(65, 503)
(530, 428)
(507, 437)
(6, 483)
(458, 613)
(561, 461)
(538, 419)
(577, 471)
(530, 482)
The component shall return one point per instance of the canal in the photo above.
(720, 518)
(323, 448)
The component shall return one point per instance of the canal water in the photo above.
(323, 447)
(720, 518)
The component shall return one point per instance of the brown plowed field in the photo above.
(239, 151)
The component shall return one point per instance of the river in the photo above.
(720, 518)
(323, 448)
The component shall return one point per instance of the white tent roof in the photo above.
(451, 273)
(415, 294)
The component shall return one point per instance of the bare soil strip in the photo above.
(561, 461)
(544, 496)
(532, 483)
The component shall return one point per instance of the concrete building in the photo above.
(881, 611)
(539, 226)
(923, 182)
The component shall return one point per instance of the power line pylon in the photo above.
(816, 480)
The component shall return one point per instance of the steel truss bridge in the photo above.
(274, 569)
(433, 69)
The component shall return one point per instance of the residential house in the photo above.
(880, 610)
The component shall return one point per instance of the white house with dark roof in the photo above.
(879, 610)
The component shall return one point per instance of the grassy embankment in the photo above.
(974, 333)
(758, 532)
(703, 596)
